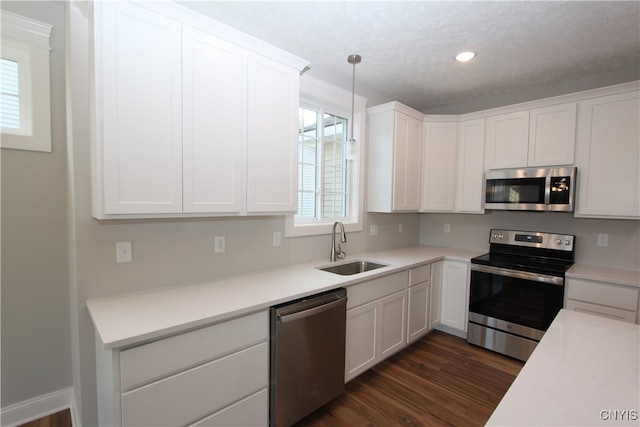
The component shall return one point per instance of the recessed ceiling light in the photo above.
(465, 56)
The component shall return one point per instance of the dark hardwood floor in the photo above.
(59, 419)
(439, 380)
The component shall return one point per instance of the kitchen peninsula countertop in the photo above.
(584, 372)
(133, 318)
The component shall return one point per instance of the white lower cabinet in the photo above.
(602, 299)
(455, 296)
(376, 322)
(216, 375)
(248, 412)
(435, 306)
(418, 323)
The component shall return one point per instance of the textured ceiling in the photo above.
(407, 47)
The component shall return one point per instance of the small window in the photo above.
(322, 166)
(9, 94)
(25, 111)
(330, 168)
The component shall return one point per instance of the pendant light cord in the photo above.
(353, 59)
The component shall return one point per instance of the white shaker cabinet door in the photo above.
(272, 132)
(552, 135)
(507, 141)
(439, 165)
(435, 305)
(418, 313)
(469, 173)
(362, 339)
(608, 156)
(138, 110)
(455, 295)
(393, 314)
(214, 112)
(406, 168)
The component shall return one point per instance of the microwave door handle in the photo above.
(547, 190)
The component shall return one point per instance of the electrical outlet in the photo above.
(603, 240)
(124, 252)
(373, 230)
(277, 238)
(219, 244)
(400, 227)
(447, 228)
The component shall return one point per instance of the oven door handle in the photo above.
(536, 277)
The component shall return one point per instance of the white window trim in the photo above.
(336, 101)
(31, 40)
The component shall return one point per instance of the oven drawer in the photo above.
(501, 342)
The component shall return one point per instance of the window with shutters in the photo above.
(25, 111)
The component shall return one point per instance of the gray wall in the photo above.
(472, 232)
(36, 351)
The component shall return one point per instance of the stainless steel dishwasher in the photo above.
(307, 355)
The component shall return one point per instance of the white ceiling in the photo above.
(407, 47)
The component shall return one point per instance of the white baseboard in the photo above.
(38, 407)
(452, 331)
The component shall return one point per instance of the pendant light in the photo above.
(353, 59)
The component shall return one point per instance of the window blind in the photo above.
(9, 94)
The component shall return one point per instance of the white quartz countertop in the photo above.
(618, 276)
(584, 372)
(129, 319)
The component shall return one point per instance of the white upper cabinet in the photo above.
(213, 123)
(470, 167)
(439, 160)
(507, 140)
(552, 135)
(138, 157)
(395, 146)
(608, 156)
(539, 137)
(272, 135)
(190, 119)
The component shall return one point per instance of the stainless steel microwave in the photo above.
(531, 189)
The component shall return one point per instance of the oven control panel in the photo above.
(563, 242)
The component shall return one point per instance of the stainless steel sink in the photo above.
(353, 267)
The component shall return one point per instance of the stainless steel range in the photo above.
(517, 289)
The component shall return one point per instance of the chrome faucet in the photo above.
(337, 253)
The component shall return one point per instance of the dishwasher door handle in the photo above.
(311, 311)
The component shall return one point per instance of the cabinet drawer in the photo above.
(195, 393)
(602, 311)
(375, 289)
(139, 365)
(252, 411)
(616, 296)
(419, 274)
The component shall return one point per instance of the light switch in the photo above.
(277, 238)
